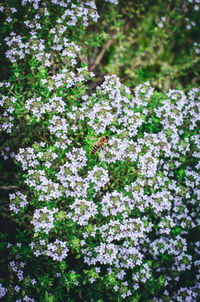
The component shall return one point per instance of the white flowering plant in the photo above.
(120, 223)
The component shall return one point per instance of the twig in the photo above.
(3, 214)
(8, 187)
(81, 58)
(101, 54)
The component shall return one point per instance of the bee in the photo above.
(99, 144)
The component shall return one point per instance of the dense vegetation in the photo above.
(121, 223)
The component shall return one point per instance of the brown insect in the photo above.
(99, 144)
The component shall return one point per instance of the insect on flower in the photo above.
(99, 144)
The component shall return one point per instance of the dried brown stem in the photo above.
(7, 188)
(101, 54)
(81, 58)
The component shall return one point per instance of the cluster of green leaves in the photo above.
(144, 47)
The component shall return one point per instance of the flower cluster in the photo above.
(17, 48)
(72, 15)
(16, 267)
(3, 291)
(21, 282)
(77, 158)
(98, 177)
(116, 150)
(37, 107)
(148, 165)
(59, 127)
(124, 237)
(82, 211)
(44, 187)
(43, 219)
(57, 250)
(100, 116)
(68, 79)
(115, 203)
(6, 119)
(31, 157)
(6, 153)
(18, 201)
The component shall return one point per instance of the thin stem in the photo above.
(101, 54)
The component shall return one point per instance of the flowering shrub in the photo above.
(117, 224)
